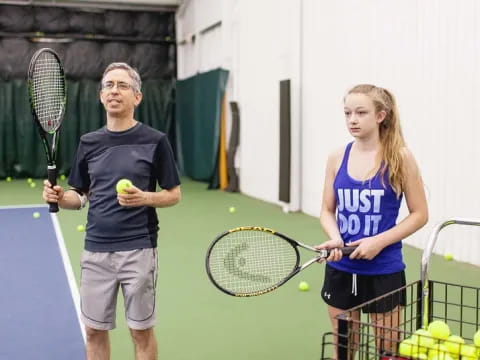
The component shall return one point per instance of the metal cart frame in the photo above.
(362, 337)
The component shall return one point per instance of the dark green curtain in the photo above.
(21, 153)
(197, 115)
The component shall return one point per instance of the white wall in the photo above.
(426, 52)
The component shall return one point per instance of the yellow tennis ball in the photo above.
(62, 177)
(231, 209)
(32, 184)
(438, 350)
(468, 352)
(423, 339)
(476, 338)
(303, 286)
(453, 344)
(80, 228)
(36, 215)
(439, 329)
(448, 256)
(8, 179)
(123, 184)
(440, 356)
(408, 347)
(29, 180)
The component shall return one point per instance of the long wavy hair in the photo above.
(391, 137)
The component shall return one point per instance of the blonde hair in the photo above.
(391, 137)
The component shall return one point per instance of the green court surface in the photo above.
(194, 319)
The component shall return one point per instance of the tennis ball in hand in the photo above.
(448, 256)
(36, 215)
(80, 228)
(231, 209)
(439, 329)
(303, 286)
(122, 184)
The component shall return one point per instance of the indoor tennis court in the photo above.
(250, 95)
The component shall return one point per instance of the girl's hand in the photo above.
(367, 249)
(336, 254)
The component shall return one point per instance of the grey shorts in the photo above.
(103, 273)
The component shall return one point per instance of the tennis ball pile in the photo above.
(303, 286)
(437, 343)
(123, 184)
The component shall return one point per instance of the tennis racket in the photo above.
(48, 98)
(251, 260)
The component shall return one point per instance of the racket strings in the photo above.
(251, 261)
(48, 90)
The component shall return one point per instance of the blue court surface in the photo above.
(38, 296)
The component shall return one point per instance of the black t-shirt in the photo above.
(141, 154)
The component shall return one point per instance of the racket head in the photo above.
(47, 90)
(250, 261)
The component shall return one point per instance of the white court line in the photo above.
(23, 206)
(68, 271)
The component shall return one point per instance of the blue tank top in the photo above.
(366, 208)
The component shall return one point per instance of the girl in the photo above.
(364, 186)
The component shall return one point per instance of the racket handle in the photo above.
(347, 250)
(52, 178)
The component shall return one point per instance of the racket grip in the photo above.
(347, 250)
(52, 178)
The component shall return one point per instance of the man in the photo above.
(121, 234)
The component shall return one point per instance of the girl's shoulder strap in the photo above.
(346, 155)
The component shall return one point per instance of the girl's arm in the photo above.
(328, 208)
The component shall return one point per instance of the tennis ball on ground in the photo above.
(122, 184)
(29, 180)
(303, 286)
(80, 228)
(231, 209)
(8, 179)
(32, 184)
(448, 256)
(36, 215)
(439, 329)
(453, 344)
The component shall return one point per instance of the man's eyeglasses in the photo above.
(121, 85)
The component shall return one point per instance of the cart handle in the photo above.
(427, 253)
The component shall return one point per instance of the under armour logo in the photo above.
(327, 295)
